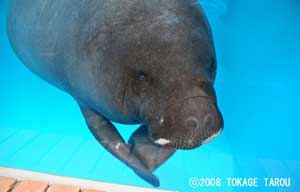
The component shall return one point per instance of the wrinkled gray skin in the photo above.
(129, 61)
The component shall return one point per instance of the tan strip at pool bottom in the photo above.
(16, 180)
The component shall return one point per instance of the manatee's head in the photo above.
(175, 70)
(172, 89)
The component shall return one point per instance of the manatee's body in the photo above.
(130, 61)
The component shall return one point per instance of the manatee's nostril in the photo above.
(192, 123)
(208, 120)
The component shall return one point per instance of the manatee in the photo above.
(128, 61)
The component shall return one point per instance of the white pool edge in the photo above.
(82, 183)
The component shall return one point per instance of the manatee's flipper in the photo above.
(143, 148)
(109, 137)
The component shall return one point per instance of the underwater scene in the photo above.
(257, 86)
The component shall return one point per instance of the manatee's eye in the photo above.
(141, 76)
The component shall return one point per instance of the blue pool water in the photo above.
(258, 88)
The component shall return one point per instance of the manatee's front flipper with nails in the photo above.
(149, 153)
(109, 137)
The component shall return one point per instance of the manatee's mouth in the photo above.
(187, 142)
(187, 124)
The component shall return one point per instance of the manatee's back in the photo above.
(44, 33)
(62, 39)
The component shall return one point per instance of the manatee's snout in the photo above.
(189, 124)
